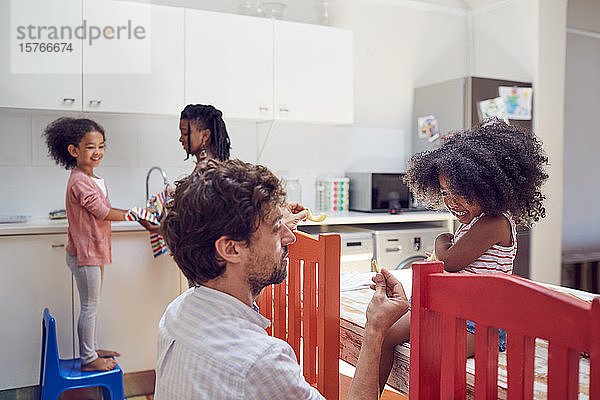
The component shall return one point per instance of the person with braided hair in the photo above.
(203, 134)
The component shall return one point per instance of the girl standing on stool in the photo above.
(488, 178)
(78, 145)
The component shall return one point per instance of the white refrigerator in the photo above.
(455, 105)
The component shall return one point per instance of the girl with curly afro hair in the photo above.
(489, 178)
(78, 145)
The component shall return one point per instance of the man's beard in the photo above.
(258, 281)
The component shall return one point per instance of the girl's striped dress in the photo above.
(496, 259)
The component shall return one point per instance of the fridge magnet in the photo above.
(517, 101)
(446, 136)
(428, 128)
(492, 108)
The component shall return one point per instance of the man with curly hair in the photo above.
(225, 231)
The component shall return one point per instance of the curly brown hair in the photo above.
(500, 166)
(226, 198)
(64, 131)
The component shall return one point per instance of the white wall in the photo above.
(410, 44)
(549, 102)
(524, 40)
(407, 47)
(581, 208)
(505, 40)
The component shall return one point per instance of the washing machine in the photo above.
(397, 246)
(357, 245)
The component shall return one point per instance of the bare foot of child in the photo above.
(108, 353)
(100, 364)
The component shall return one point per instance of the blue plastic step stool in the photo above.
(58, 375)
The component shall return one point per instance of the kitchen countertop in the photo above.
(39, 226)
(356, 217)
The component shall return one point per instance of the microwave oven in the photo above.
(379, 192)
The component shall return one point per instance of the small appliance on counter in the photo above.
(380, 192)
(332, 194)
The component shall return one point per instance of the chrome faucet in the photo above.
(164, 176)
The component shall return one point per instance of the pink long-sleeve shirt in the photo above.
(89, 232)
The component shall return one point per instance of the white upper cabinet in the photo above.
(117, 72)
(256, 68)
(140, 72)
(30, 77)
(229, 63)
(314, 78)
(144, 58)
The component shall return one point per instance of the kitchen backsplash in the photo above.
(33, 185)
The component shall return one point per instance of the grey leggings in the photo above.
(89, 284)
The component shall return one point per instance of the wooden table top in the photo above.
(354, 305)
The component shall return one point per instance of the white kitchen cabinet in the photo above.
(229, 63)
(101, 76)
(157, 90)
(25, 86)
(34, 276)
(137, 289)
(250, 68)
(256, 68)
(313, 73)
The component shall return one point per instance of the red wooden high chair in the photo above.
(307, 306)
(441, 303)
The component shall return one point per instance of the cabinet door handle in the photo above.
(95, 103)
(263, 109)
(57, 246)
(284, 109)
(68, 100)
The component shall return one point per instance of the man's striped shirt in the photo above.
(212, 346)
